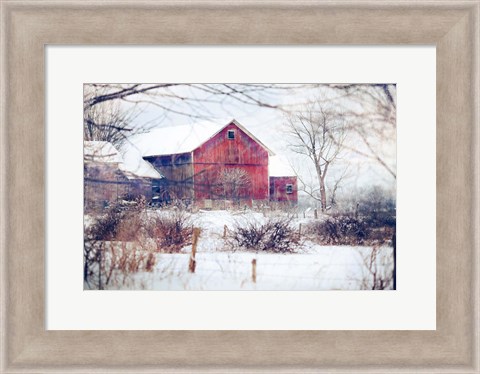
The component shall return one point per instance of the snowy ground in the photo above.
(313, 267)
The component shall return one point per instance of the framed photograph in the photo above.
(298, 195)
(166, 147)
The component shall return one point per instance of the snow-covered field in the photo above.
(218, 267)
(324, 268)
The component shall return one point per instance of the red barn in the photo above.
(214, 165)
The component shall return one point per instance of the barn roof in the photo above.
(184, 138)
(278, 166)
(141, 168)
(135, 164)
(105, 152)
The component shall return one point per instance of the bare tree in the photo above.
(336, 184)
(371, 113)
(317, 133)
(109, 122)
(233, 183)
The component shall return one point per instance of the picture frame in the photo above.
(453, 26)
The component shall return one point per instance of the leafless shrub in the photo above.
(105, 226)
(125, 239)
(171, 230)
(346, 229)
(275, 235)
(377, 268)
(115, 246)
(120, 221)
(113, 263)
(339, 230)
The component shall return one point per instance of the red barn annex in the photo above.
(216, 165)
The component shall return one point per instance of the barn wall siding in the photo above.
(220, 153)
(278, 189)
(178, 172)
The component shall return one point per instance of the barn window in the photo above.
(231, 134)
(289, 188)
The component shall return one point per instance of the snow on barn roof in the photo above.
(135, 164)
(100, 151)
(177, 139)
(142, 169)
(278, 166)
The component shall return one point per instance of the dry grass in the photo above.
(113, 263)
(124, 241)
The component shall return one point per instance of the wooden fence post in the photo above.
(299, 229)
(315, 212)
(192, 263)
(254, 270)
(225, 229)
